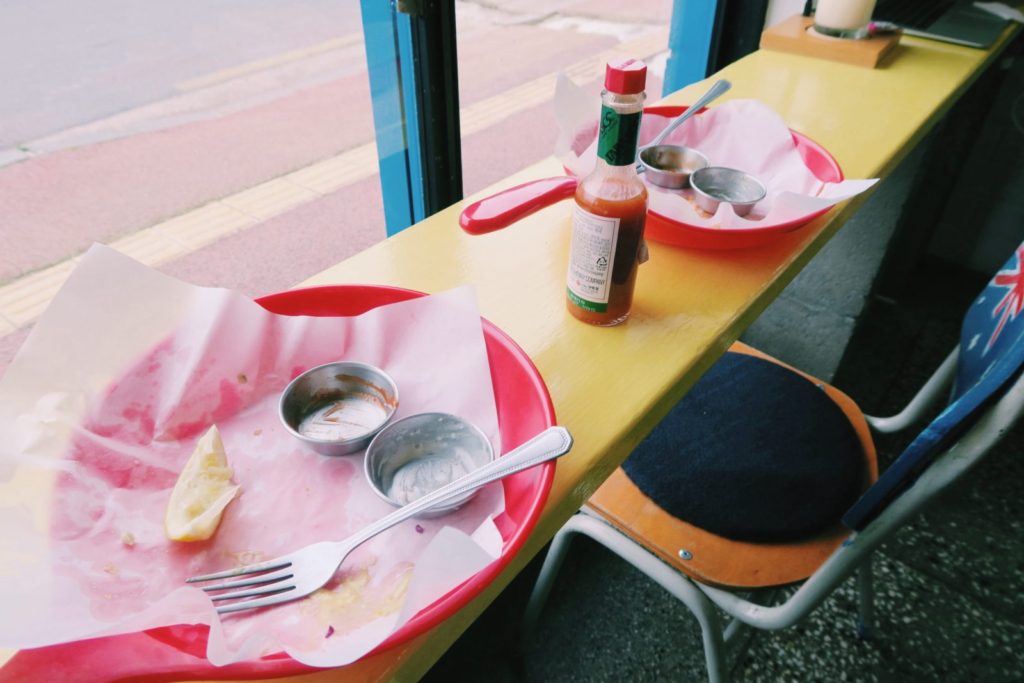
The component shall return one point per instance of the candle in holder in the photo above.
(843, 18)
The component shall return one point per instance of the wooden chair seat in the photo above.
(714, 559)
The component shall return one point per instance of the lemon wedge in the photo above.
(203, 490)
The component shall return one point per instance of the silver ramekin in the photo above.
(337, 408)
(421, 453)
(716, 184)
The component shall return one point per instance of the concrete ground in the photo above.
(949, 585)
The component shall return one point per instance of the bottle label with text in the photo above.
(616, 142)
(591, 255)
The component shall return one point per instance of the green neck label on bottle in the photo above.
(618, 137)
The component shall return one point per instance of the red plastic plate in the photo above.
(177, 652)
(500, 210)
(670, 231)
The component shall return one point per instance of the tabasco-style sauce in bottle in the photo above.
(611, 206)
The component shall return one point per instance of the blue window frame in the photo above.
(411, 58)
(693, 41)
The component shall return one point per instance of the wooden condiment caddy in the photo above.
(795, 35)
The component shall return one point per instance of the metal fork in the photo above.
(298, 574)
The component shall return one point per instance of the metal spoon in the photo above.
(716, 90)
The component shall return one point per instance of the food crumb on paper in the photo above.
(419, 529)
(345, 593)
(354, 600)
(110, 568)
(244, 557)
(394, 600)
(242, 379)
(257, 432)
(128, 539)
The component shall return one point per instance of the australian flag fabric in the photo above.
(991, 356)
(993, 326)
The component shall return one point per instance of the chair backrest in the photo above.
(991, 355)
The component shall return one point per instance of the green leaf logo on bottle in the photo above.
(618, 137)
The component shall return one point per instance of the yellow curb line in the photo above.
(24, 299)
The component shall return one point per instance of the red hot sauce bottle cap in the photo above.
(625, 77)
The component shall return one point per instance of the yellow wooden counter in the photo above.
(611, 386)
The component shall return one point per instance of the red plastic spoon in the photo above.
(500, 210)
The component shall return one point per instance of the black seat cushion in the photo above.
(754, 452)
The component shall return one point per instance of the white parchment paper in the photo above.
(741, 134)
(105, 402)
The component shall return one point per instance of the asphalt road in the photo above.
(64, 63)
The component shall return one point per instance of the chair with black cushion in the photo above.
(763, 477)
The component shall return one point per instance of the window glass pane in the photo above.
(509, 55)
(228, 143)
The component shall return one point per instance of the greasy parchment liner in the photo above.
(105, 402)
(741, 134)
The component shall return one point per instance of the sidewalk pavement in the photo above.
(259, 199)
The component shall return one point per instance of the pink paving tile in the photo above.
(278, 253)
(506, 147)
(285, 250)
(56, 205)
(518, 141)
(512, 55)
(9, 345)
(647, 11)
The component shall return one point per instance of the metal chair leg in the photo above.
(865, 588)
(668, 578)
(542, 587)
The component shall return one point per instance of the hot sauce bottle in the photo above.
(611, 206)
